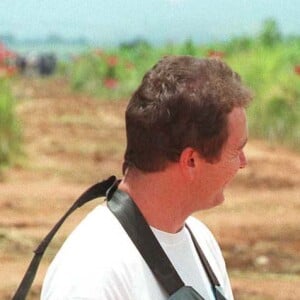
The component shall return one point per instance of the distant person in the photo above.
(186, 129)
(46, 64)
(21, 63)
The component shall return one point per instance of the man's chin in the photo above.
(219, 199)
(213, 201)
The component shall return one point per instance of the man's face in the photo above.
(214, 177)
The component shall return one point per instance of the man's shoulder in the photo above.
(197, 225)
(203, 234)
(206, 240)
(99, 230)
(96, 254)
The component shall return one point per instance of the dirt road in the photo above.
(71, 141)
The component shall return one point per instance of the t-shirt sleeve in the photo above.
(88, 265)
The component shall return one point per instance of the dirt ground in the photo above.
(72, 141)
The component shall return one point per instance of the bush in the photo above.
(269, 64)
(271, 73)
(281, 123)
(9, 127)
(270, 34)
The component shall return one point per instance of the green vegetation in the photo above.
(269, 63)
(9, 127)
(270, 72)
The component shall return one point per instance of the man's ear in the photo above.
(188, 160)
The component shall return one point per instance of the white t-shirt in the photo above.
(99, 261)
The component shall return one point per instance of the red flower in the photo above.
(11, 70)
(5, 53)
(112, 60)
(216, 54)
(297, 70)
(7, 71)
(129, 66)
(111, 83)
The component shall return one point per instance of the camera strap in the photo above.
(139, 232)
(134, 223)
(95, 191)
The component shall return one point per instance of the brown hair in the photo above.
(182, 102)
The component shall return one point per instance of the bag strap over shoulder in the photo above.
(145, 241)
(134, 223)
(97, 190)
(138, 230)
(210, 273)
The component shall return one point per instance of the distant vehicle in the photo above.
(36, 64)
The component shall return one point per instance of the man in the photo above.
(186, 130)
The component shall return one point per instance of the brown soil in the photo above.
(72, 141)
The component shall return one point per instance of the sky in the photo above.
(158, 21)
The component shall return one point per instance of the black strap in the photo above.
(95, 191)
(134, 223)
(142, 236)
(138, 230)
(210, 273)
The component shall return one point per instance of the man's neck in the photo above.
(159, 197)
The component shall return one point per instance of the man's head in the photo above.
(182, 102)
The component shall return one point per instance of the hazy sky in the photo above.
(111, 21)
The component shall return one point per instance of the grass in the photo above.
(10, 134)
